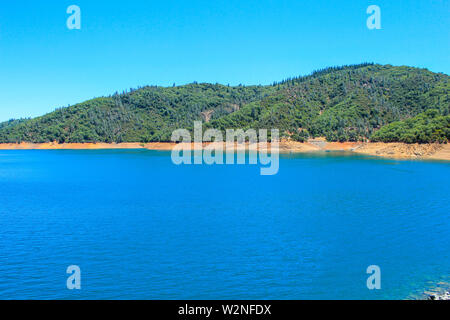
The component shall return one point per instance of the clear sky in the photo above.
(124, 44)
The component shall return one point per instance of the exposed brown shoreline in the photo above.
(388, 150)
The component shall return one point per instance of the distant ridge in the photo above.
(347, 103)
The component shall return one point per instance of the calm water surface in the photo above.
(140, 227)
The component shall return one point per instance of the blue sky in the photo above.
(124, 44)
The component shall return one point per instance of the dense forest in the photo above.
(427, 127)
(349, 103)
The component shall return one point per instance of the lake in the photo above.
(140, 227)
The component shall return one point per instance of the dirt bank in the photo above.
(406, 151)
(85, 146)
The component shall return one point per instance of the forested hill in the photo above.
(342, 103)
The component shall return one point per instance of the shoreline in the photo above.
(394, 150)
(439, 291)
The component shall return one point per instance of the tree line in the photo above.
(350, 103)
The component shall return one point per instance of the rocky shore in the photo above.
(443, 296)
(406, 151)
(439, 291)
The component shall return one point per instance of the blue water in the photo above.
(140, 227)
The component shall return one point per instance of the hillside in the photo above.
(348, 103)
(427, 127)
(345, 105)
